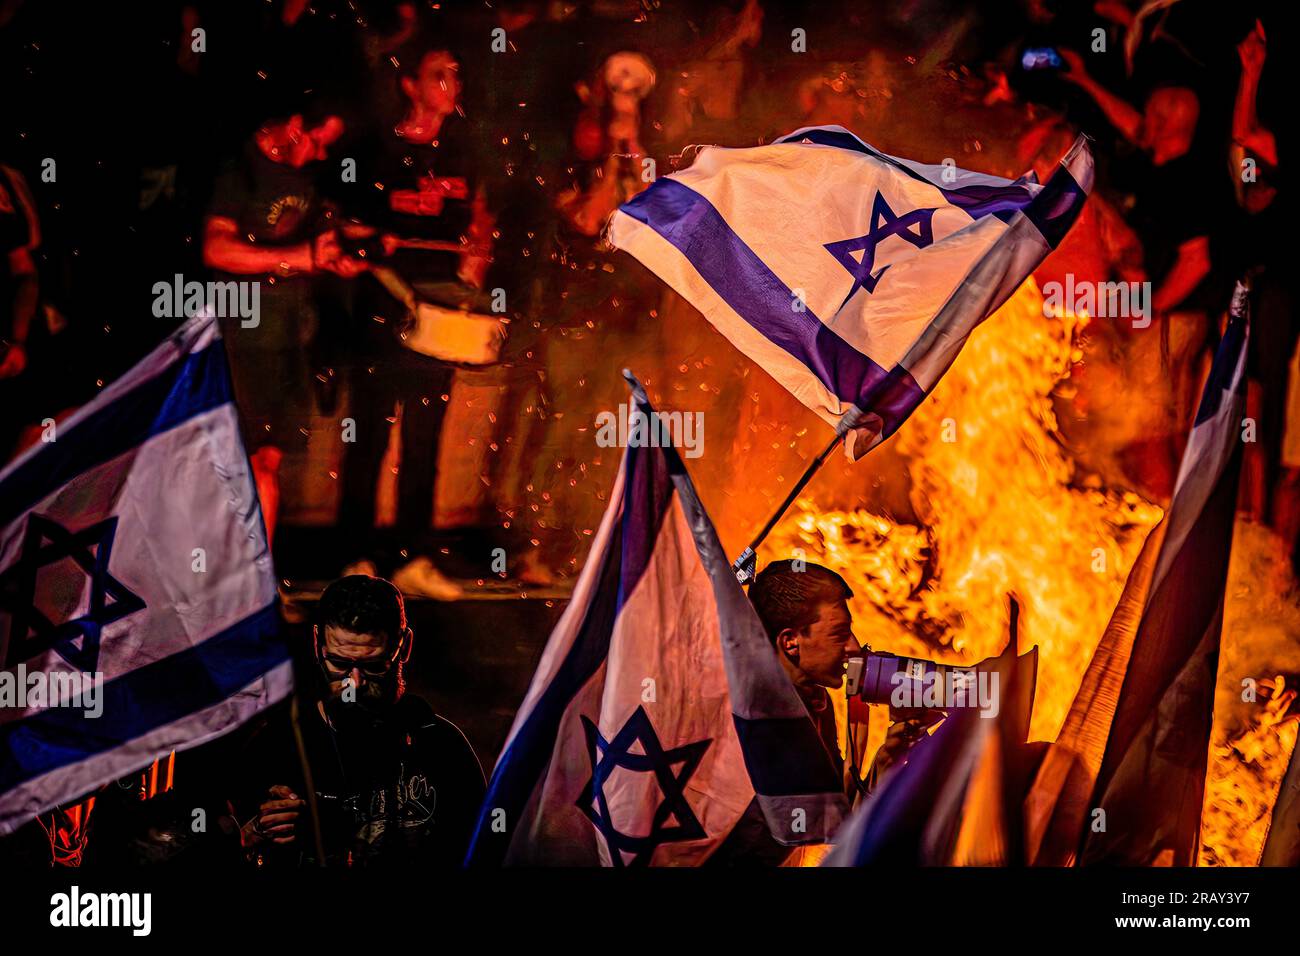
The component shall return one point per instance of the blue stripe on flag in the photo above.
(143, 699)
(736, 273)
(785, 756)
(647, 497)
(981, 199)
(1226, 359)
(185, 389)
(1053, 210)
(896, 814)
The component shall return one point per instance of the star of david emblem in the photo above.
(883, 225)
(67, 558)
(608, 755)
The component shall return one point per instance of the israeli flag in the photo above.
(138, 609)
(851, 276)
(659, 710)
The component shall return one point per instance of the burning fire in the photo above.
(1254, 729)
(992, 485)
(1000, 512)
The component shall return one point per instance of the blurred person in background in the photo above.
(1273, 388)
(20, 378)
(1258, 255)
(427, 186)
(1177, 194)
(268, 224)
(705, 98)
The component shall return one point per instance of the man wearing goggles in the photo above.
(393, 781)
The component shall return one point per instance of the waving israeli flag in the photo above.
(851, 276)
(138, 609)
(659, 710)
(1134, 742)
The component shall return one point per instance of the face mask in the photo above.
(373, 703)
(353, 718)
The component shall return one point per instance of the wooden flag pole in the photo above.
(744, 565)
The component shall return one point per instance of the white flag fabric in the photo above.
(659, 710)
(138, 608)
(852, 277)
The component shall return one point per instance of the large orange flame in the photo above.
(1000, 511)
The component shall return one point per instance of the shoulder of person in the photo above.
(418, 714)
(436, 731)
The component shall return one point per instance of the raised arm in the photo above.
(1246, 131)
(1191, 266)
(1122, 115)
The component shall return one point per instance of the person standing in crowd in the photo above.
(609, 301)
(424, 189)
(706, 100)
(1178, 193)
(268, 224)
(20, 235)
(394, 783)
(523, 99)
(1273, 395)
